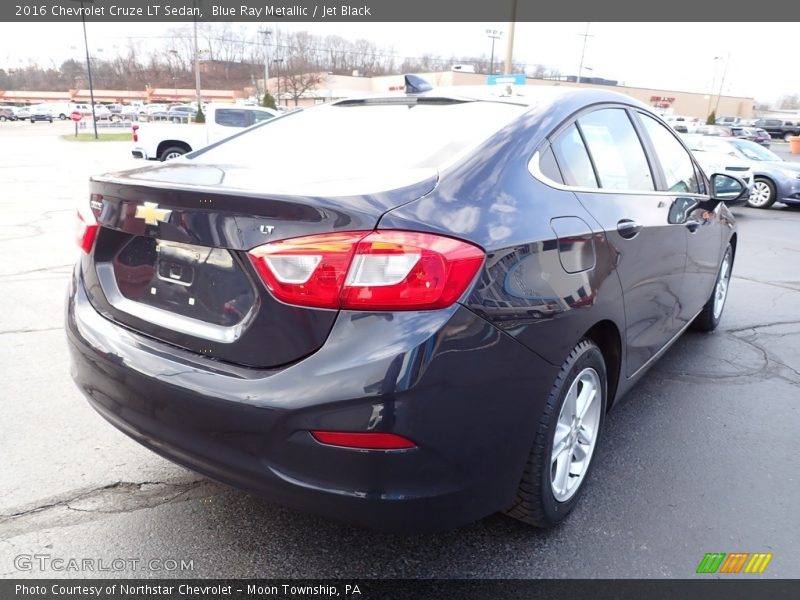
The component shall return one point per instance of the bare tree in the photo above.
(296, 85)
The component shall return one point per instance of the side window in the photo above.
(260, 115)
(676, 162)
(573, 160)
(616, 150)
(548, 165)
(231, 117)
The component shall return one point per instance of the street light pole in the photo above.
(722, 81)
(713, 84)
(495, 35)
(88, 62)
(586, 36)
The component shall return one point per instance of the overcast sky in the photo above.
(674, 56)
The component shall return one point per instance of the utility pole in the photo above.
(88, 63)
(267, 33)
(585, 36)
(196, 62)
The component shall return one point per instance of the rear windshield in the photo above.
(339, 140)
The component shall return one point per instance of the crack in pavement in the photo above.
(38, 270)
(114, 498)
(31, 330)
(770, 283)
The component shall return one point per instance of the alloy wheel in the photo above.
(760, 194)
(576, 434)
(721, 288)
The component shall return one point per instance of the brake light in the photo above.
(366, 440)
(378, 270)
(86, 230)
(135, 129)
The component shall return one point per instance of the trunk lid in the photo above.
(170, 258)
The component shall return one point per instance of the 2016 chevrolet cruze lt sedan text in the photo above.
(408, 311)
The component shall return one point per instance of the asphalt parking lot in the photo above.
(700, 457)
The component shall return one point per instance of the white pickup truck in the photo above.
(163, 141)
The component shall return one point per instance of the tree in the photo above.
(790, 102)
(712, 118)
(299, 84)
(199, 117)
(268, 101)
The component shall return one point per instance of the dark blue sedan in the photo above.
(416, 313)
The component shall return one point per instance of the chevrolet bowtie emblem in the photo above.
(152, 214)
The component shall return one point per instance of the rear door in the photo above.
(602, 155)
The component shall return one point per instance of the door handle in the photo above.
(628, 229)
(692, 225)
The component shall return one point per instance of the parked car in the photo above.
(729, 121)
(774, 179)
(39, 112)
(712, 161)
(182, 114)
(100, 112)
(320, 327)
(7, 114)
(715, 130)
(779, 128)
(167, 141)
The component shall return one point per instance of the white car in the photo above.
(713, 160)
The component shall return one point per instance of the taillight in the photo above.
(85, 230)
(379, 270)
(364, 440)
(135, 129)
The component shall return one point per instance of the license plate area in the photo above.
(201, 283)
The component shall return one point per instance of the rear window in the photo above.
(335, 140)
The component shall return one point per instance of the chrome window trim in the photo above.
(536, 172)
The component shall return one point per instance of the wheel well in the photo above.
(606, 335)
(765, 178)
(169, 143)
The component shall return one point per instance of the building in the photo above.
(334, 87)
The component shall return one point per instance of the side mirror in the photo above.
(728, 189)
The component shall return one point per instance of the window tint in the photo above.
(549, 167)
(675, 161)
(231, 117)
(573, 160)
(616, 150)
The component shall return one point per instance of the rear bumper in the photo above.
(467, 394)
(139, 152)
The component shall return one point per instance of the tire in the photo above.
(2, 118)
(547, 493)
(62, 116)
(172, 152)
(763, 194)
(33, 120)
(710, 316)
(787, 136)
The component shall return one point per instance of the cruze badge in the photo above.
(152, 214)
